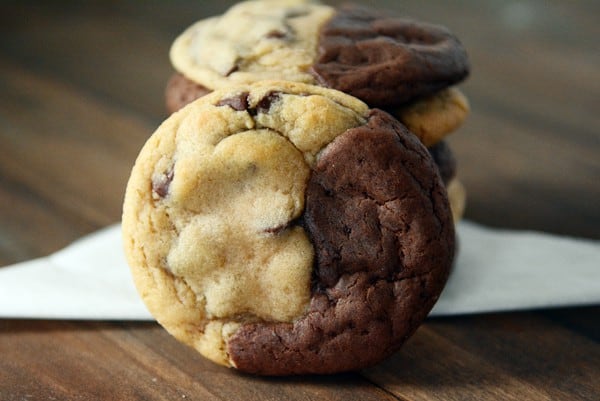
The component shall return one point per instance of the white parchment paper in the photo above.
(496, 270)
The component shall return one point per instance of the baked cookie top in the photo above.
(286, 228)
(383, 60)
(252, 41)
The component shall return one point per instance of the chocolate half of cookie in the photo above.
(379, 221)
(387, 61)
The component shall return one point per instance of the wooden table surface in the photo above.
(81, 88)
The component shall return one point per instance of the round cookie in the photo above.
(385, 61)
(283, 228)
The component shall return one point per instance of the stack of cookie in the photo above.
(280, 221)
(405, 67)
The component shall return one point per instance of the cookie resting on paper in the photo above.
(282, 228)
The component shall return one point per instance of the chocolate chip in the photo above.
(238, 102)
(161, 184)
(282, 227)
(297, 13)
(233, 69)
(276, 230)
(265, 103)
(276, 34)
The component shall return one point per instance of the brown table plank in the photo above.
(81, 89)
(101, 361)
(64, 154)
(502, 356)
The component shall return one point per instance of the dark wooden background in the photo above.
(81, 88)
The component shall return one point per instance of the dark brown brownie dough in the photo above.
(378, 216)
(387, 61)
(181, 91)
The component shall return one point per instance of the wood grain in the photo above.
(81, 88)
(493, 357)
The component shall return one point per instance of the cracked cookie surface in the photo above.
(284, 228)
(379, 222)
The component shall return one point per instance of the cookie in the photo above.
(282, 228)
(431, 118)
(457, 196)
(385, 61)
(444, 160)
(181, 91)
(434, 117)
(252, 41)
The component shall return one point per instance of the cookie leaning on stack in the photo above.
(283, 228)
(406, 67)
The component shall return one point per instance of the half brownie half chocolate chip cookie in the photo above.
(284, 228)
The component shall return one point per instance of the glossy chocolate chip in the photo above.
(161, 184)
(238, 102)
